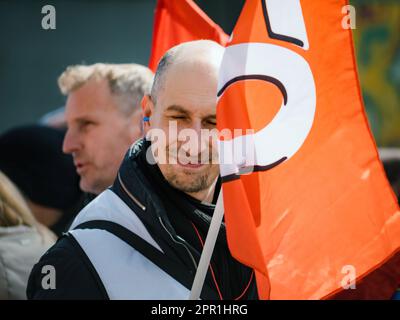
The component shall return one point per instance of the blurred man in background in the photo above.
(103, 116)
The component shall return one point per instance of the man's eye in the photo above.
(178, 117)
(86, 124)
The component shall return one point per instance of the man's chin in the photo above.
(189, 181)
(84, 186)
(88, 187)
(186, 187)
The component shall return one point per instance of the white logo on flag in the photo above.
(290, 72)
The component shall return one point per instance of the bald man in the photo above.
(143, 237)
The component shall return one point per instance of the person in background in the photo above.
(54, 118)
(22, 241)
(103, 117)
(32, 158)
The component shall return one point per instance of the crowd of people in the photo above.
(77, 191)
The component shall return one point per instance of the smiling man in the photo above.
(180, 107)
(142, 239)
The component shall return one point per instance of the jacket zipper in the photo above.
(174, 238)
(180, 241)
(134, 199)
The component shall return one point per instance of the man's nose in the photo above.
(199, 142)
(71, 142)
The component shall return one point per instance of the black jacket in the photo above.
(177, 222)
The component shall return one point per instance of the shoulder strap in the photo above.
(166, 264)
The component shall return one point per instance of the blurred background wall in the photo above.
(377, 40)
(120, 31)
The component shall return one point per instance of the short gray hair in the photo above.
(127, 81)
(162, 67)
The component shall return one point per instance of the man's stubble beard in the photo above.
(184, 180)
(191, 182)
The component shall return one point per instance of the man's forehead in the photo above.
(77, 107)
(90, 99)
(190, 87)
(93, 88)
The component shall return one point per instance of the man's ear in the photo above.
(147, 111)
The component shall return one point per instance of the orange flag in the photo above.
(178, 21)
(306, 200)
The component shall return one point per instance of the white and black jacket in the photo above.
(136, 241)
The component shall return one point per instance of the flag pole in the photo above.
(208, 249)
